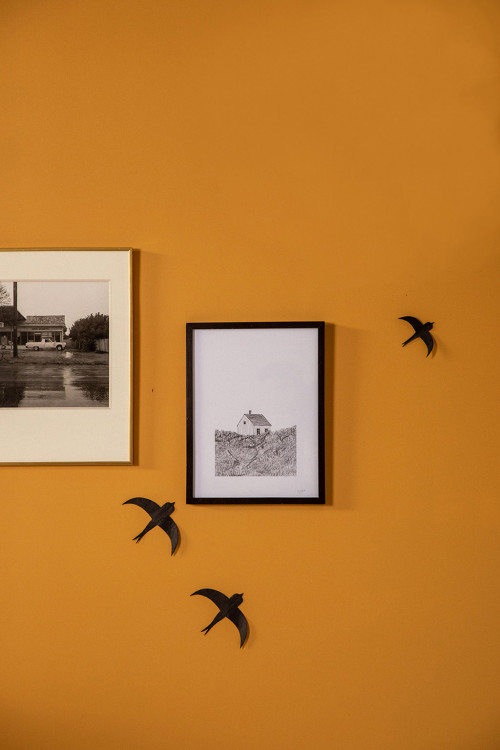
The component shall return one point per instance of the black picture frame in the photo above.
(225, 363)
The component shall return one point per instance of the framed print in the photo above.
(255, 413)
(66, 356)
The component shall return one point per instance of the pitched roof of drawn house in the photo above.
(45, 320)
(7, 314)
(258, 420)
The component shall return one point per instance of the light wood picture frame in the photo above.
(66, 356)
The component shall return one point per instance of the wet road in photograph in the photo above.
(54, 385)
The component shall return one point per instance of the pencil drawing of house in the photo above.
(253, 424)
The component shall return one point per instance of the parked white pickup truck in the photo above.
(47, 343)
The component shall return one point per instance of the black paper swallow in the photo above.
(228, 607)
(421, 331)
(160, 516)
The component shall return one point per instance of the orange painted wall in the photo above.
(270, 160)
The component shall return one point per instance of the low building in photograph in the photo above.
(253, 424)
(29, 327)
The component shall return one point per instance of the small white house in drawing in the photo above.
(253, 424)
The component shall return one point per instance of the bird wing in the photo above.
(148, 505)
(170, 528)
(429, 341)
(239, 619)
(219, 599)
(415, 322)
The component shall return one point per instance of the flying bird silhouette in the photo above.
(160, 516)
(421, 331)
(228, 607)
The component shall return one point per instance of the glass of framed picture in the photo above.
(255, 413)
(66, 356)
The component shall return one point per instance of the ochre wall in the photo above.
(296, 160)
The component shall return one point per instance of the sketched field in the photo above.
(271, 454)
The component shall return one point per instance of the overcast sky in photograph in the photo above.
(74, 299)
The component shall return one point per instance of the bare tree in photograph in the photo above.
(4, 295)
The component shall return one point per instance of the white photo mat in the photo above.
(54, 435)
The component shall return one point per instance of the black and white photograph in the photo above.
(66, 355)
(255, 412)
(54, 344)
